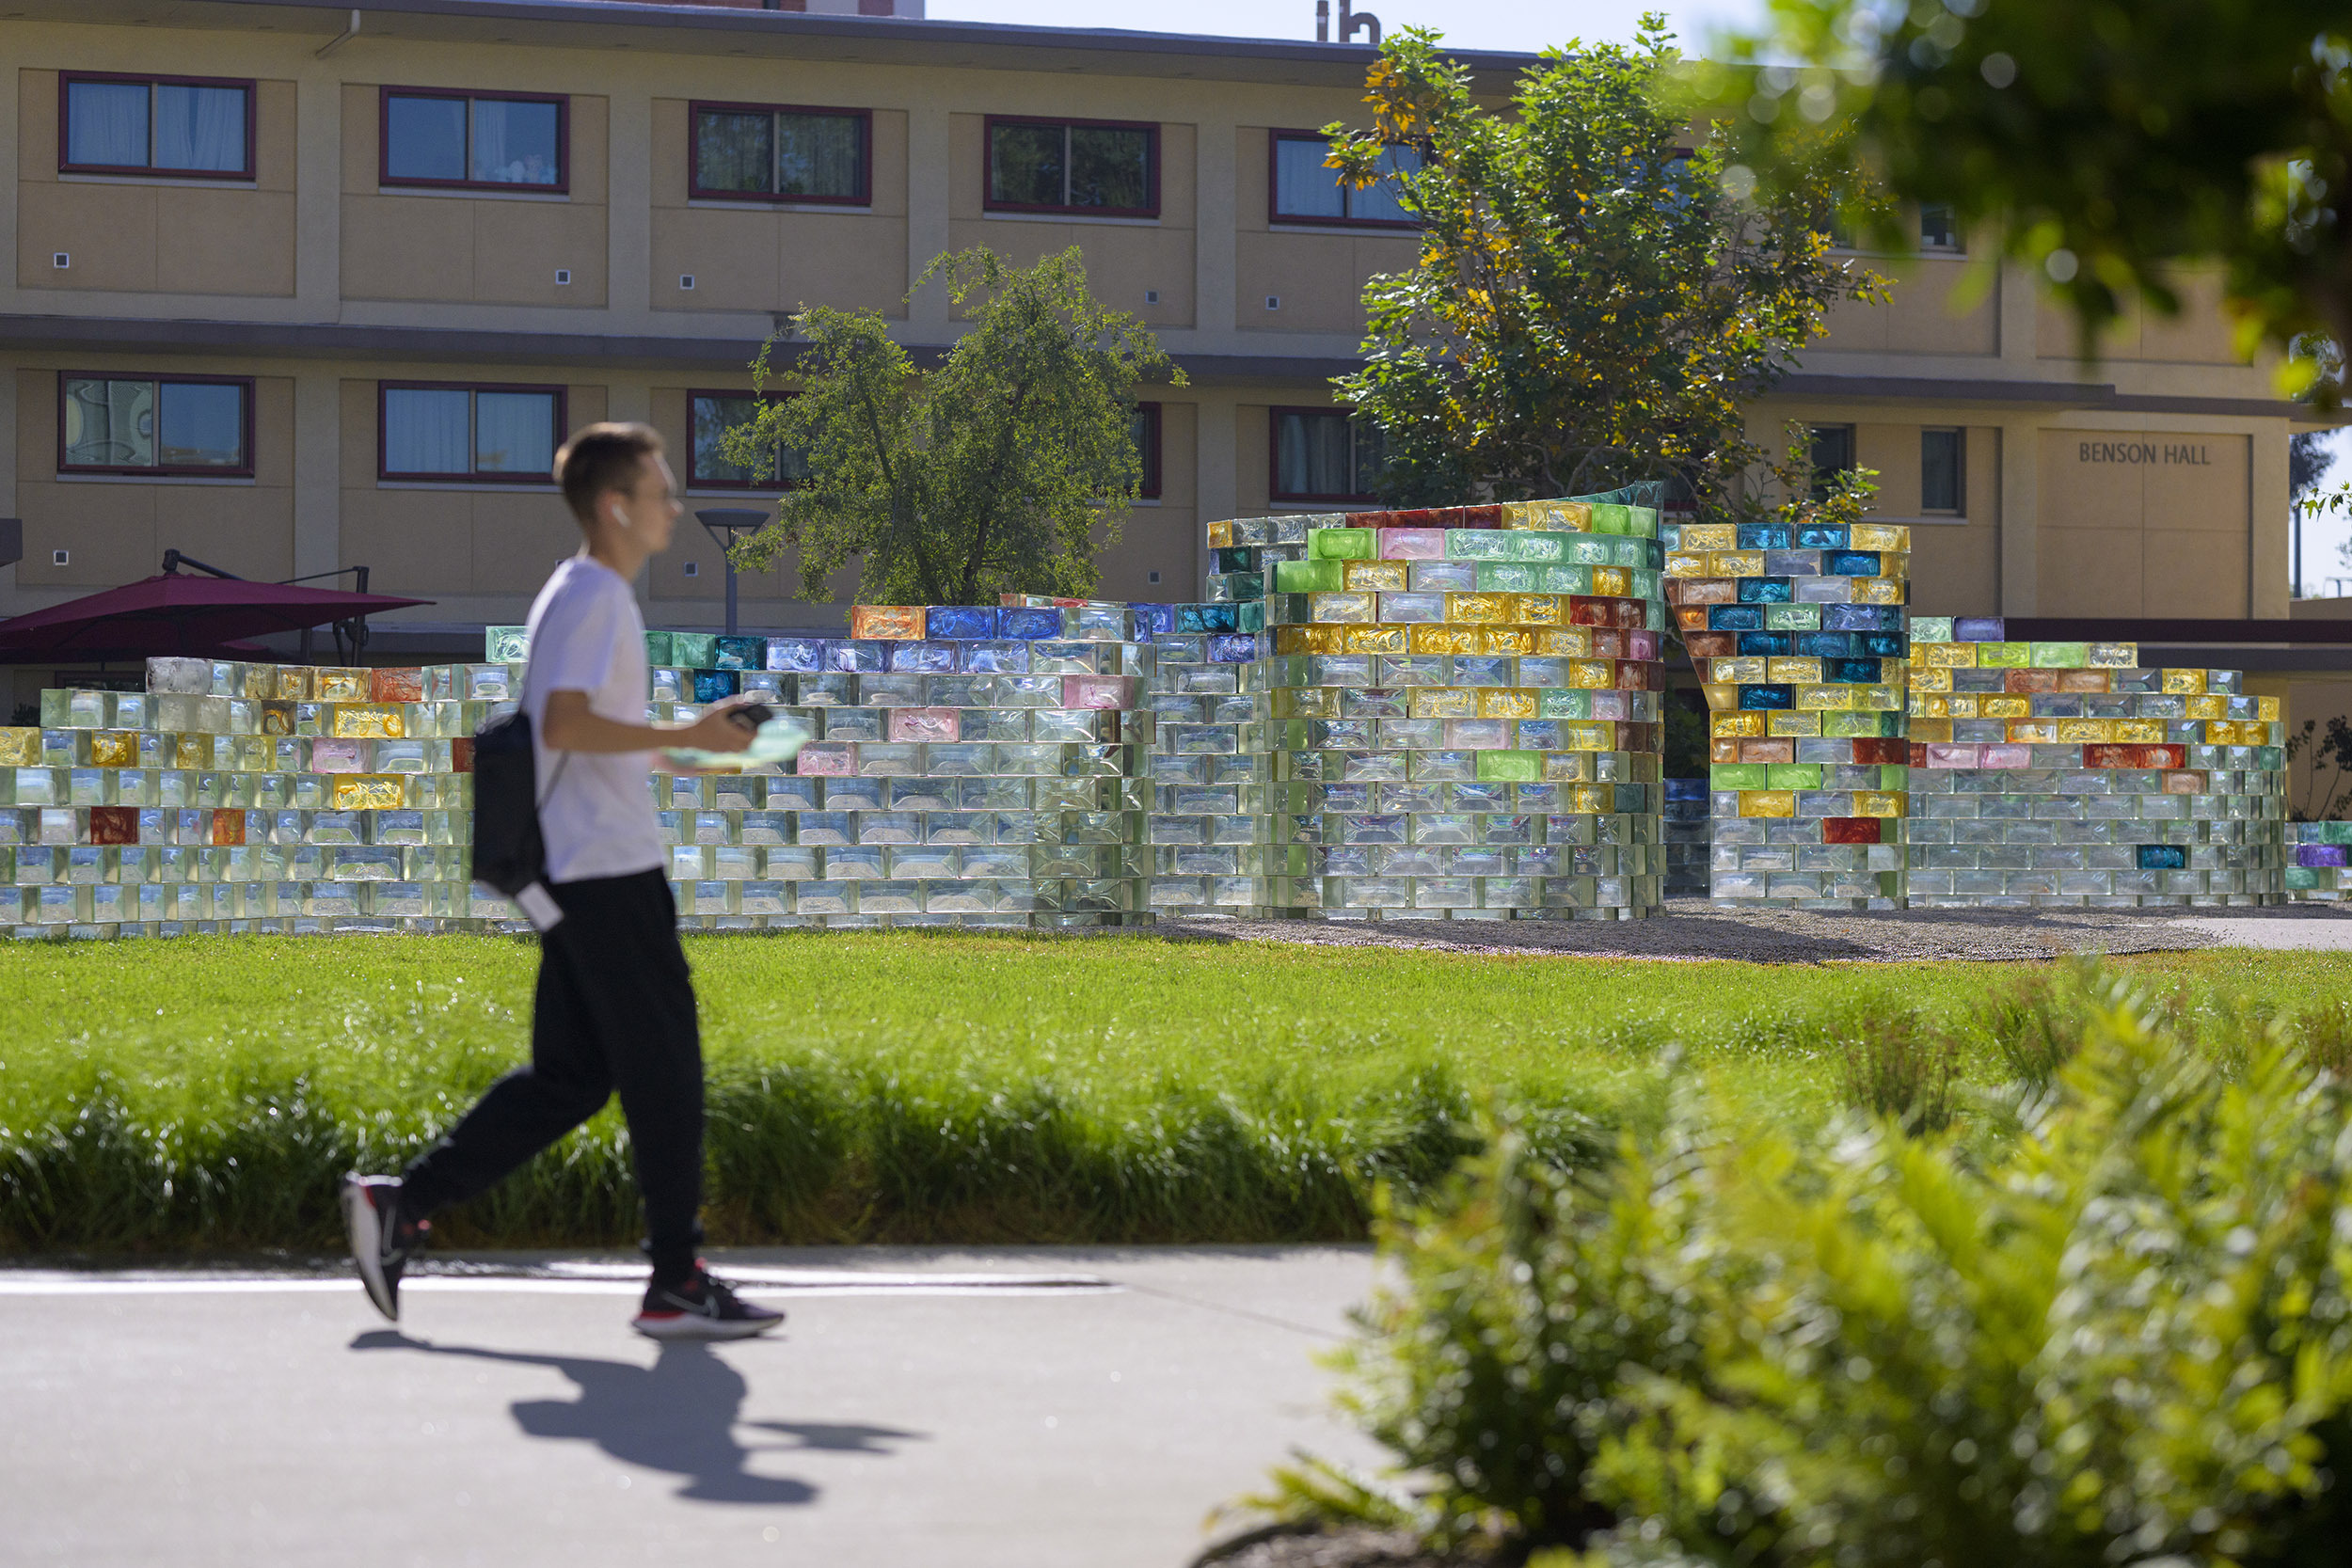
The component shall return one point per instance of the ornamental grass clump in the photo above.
(2106, 1325)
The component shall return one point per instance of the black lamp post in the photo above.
(724, 523)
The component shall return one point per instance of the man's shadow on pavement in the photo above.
(676, 1415)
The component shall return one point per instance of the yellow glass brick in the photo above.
(1567, 767)
(1966, 704)
(1929, 704)
(1878, 590)
(295, 683)
(115, 749)
(2033, 731)
(1947, 655)
(1598, 674)
(1310, 640)
(2224, 732)
(194, 750)
(1221, 534)
(1924, 730)
(1788, 724)
(1376, 640)
(1588, 736)
(2186, 683)
(1436, 637)
(260, 680)
(1514, 640)
(1686, 563)
(1710, 536)
(1592, 800)
(1793, 671)
(2267, 709)
(370, 791)
(1563, 642)
(1874, 802)
(1442, 702)
(2002, 704)
(1616, 581)
(2114, 655)
(2085, 732)
(1928, 678)
(341, 686)
(19, 748)
(1736, 563)
(1374, 576)
(1721, 696)
(1538, 610)
(1568, 516)
(1523, 515)
(1477, 608)
(1825, 699)
(1739, 669)
(367, 721)
(2137, 732)
(1881, 536)
(1721, 726)
(1894, 566)
(1343, 609)
(2207, 706)
(1503, 701)
(1768, 802)
(1883, 698)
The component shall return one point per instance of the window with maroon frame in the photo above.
(1300, 189)
(191, 126)
(1321, 455)
(474, 140)
(708, 416)
(1104, 168)
(777, 152)
(1143, 427)
(468, 435)
(196, 426)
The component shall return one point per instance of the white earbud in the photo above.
(620, 518)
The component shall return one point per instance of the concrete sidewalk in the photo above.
(1039, 1408)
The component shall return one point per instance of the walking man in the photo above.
(614, 1008)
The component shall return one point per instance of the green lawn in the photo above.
(204, 1092)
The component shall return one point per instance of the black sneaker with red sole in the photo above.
(701, 1307)
(382, 1239)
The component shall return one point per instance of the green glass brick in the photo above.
(1533, 545)
(1894, 777)
(2060, 656)
(1563, 576)
(1793, 617)
(1341, 544)
(1610, 518)
(2300, 878)
(1510, 767)
(1794, 775)
(1510, 576)
(1561, 703)
(1478, 544)
(1250, 616)
(1309, 577)
(1931, 629)
(694, 650)
(657, 649)
(2004, 656)
(1642, 520)
(1852, 726)
(1737, 775)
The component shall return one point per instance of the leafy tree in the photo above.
(2308, 462)
(2102, 141)
(1592, 303)
(995, 473)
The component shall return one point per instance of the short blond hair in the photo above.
(605, 456)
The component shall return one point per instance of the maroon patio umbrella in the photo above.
(170, 614)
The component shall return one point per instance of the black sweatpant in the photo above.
(615, 1011)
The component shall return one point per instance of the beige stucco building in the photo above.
(291, 297)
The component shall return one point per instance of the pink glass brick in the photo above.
(1098, 692)
(833, 759)
(1950, 754)
(339, 756)
(922, 724)
(2009, 756)
(1412, 544)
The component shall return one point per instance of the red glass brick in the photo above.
(228, 828)
(1850, 830)
(113, 825)
(2029, 682)
(1883, 751)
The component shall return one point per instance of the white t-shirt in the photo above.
(594, 811)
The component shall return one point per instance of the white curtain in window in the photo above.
(514, 142)
(819, 154)
(105, 123)
(1303, 189)
(202, 128)
(514, 432)
(425, 431)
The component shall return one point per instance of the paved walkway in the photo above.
(1691, 929)
(1064, 1408)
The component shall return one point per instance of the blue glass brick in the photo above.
(1852, 672)
(1234, 648)
(1686, 789)
(1153, 620)
(741, 653)
(800, 656)
(992, 657)
(1825, 645)
(711, 685)
(1764, 536)
(1766, 644)
(2163, 857)
(1978, 628)
(1849, 563)
(1029, 623)
(1883, 644)
(1822, 537)
(922, 658)
(1483, 670)
(1765, 591)
(1734, 617)
(943, 622)
(1861, 617)
(1767, 697)
(1539, 735)
(1210, 618)
(854, 657)
(1232, 559)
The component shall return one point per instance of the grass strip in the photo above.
(205, 1094)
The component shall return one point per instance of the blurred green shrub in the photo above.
(2115, 1331)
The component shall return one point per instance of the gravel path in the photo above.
(1692, 930)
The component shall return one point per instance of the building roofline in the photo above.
(711, 29)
